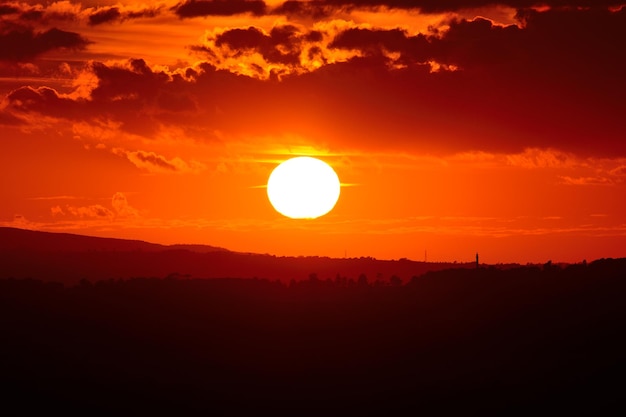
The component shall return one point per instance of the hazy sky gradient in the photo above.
(455, 126)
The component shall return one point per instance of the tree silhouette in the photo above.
(395, 280)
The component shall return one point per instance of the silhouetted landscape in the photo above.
(124, 327)
(71, 258)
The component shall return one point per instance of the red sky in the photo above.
(455, 126)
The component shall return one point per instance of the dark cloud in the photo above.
(32, 15)
(553, 44)
(19, 43)
(249, 38)
(480, 43)
(154, 159)
(114, 14)
(175, 102)
(132, 94)
(320, 8)
(104, 15)
(282, 45)
(360, 38)
(43, 100)
(141, 99)
(314, 9)
(194, 8)
(154, 163)
(135, 14)
(592, 41)
(7, 9)
(133, 84)
(377, 41)
(556, 81)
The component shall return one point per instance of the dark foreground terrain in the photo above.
(525, 341)
(69, 258)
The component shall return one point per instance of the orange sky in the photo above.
(455, 126)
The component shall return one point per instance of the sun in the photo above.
(303, 188)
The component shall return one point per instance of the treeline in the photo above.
(530, 340)
(70, 267)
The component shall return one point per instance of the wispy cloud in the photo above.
(23, 43)
(587, 180)
(532, 158)
(119, 209)
(57, 197)
(155, 163)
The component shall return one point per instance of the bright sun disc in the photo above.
(303, 188)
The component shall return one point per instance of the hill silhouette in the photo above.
(70, 258)
(14, 239)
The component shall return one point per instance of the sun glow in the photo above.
(303, 188)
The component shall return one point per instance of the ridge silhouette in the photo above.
(70, 258)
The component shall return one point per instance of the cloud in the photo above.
(619, 171)
(120, 209)
(593, 172)
(134, 86)
(470, 86)
(56, 211)
(19, 43)
(95, 211)
(284, 50)
(70, 12)
(155, 163)
(411, 49)
(323, 8)
(8, 9)
(120, 13)
(195, 8)
(104, 15)
(313, 9)
(282, 45)
(43, 100)
(150, 161)
(567, 168)
(56, 197)
(569, 180)
(532, 158)
(130, 95)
